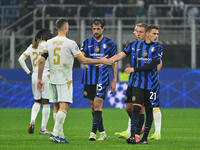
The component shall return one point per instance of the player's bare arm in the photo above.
(85, 66)
(84, 60)
(41, 64)
(113, 59)
(159, 66)
(114, 81)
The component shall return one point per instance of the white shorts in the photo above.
(61, 92)
(44, 94)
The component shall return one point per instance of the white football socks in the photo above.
(128, 130)
(45, 116)
(59, 121)
(34, 112)
(157, 120)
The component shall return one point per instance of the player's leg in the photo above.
(140, 124)
(156, 114)
(62, 94)
(129, 109)
(149, 118)
(46, 105)
(45, 116)
(37, 103)
(138, 98)
(98, 103)
(34, 112)
(157, 123)
(55, 110)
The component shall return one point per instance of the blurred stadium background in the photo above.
(179, 22)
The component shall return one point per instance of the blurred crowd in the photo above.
(90, 8)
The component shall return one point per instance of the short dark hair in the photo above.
(151, 26)
(60, 22)
(98, 21)
(43, 34)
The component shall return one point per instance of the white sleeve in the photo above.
(75, 49)
(21, 60)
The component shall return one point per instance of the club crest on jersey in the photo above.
(104, 46)
(97, 49)
(145, 53)
(152, 49)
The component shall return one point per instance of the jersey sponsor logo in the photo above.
(98, 55)
(146, 60)
(90, 46)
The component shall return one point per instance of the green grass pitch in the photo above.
(180, 131)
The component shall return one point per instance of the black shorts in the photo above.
(154, 97)
(92, 91)
(137, 96)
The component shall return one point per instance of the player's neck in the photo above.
(99, 39)
(61, 34)
(147, 41)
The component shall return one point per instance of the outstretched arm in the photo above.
(84, 60)
(116, 58)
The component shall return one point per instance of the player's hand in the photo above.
(99, 65)
(40, 85)
(85, 66)
(129, 70)
(106, 61)
(113, 87)
(30, 74)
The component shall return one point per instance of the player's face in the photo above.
(139, 33)
(97, 31)
(153, 35)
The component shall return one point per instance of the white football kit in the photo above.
(34, 55)
(61, 52)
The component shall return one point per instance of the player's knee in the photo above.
(136, 109)
(45, 101)
(149, 113)
(129, 107)
(156, 109)
(38, 101)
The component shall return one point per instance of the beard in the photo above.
(97, 36)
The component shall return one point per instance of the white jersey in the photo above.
(61, 53)
(34, 55)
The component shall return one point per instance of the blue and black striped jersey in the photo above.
(94, 49)
(141, 54)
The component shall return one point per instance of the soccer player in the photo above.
(145, 56)
(156, 104)
(96, 78)
(60, 52)
(139, 34)
(34, 51)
